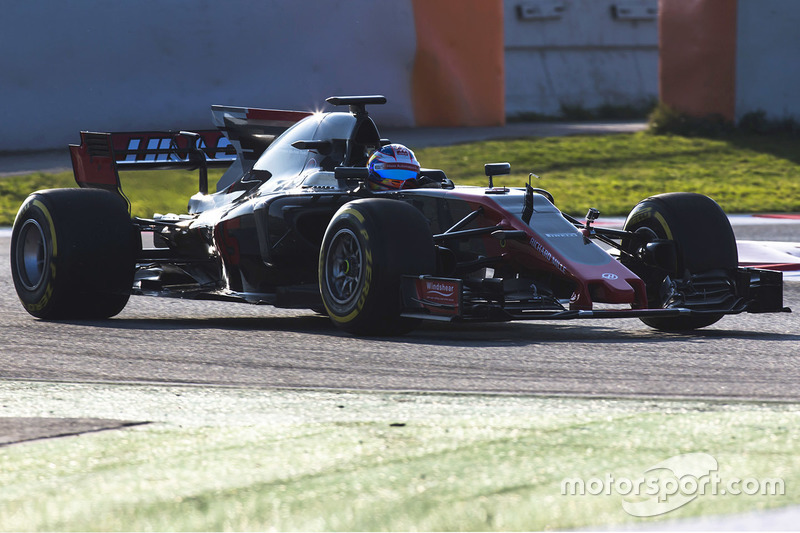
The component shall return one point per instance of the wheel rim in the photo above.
(343, 267)
(648, 234)
(32, 254)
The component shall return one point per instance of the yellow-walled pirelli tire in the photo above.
(704, 243)
(368, 246)
(73, 254)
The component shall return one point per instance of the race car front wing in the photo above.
(490, 299)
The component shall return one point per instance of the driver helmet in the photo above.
(392, 167)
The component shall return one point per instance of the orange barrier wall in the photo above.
(458, 75)
(697, 68)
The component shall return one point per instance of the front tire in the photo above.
(704, 244)
(73, 254)
(368, 246)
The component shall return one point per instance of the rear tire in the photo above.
(368, 246)
(704, 243)
(73, 254)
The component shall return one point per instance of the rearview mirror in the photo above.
(497, 169)
(343, 173)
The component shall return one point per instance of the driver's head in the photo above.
(392, 167)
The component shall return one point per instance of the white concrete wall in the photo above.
(157, 64)
(151, 64)
(574, 52)
(768, 58)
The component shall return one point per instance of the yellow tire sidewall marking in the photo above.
(658, 216)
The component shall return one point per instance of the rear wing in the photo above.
(97, 160)
(243, 134)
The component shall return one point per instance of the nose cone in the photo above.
(613, 284)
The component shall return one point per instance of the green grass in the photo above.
(744, 173)
(229, 459)
(148, 191)
(15, 189)
(162, 192)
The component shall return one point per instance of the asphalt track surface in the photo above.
(154, 340)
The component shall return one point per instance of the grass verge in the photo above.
(241, 459)
(148, 191)
(744, 173)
